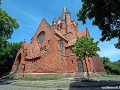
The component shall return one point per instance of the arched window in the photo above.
(41, 36)
(72, 62)
(71, 51)
(61, 46)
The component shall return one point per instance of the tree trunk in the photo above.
(87, 68)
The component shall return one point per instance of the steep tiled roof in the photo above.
(82, 33)
(73, 39)
(32, 51)
(71, 42)
(58, 33)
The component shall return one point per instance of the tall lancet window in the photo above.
(41, 37)
(61, 46)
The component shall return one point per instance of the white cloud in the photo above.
(108, 50)
(24, 13)
(28, 26)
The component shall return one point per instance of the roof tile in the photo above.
(73, 39)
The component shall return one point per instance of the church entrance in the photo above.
(79, 65)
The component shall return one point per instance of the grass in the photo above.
(39, 79)
(106, 75)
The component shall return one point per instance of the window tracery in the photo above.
(41, 36)
(43, 50)
(61, 46)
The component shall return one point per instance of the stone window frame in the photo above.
(43, 49)
(41, 36)
(61, 46)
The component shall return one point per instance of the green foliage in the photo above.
(7, 56)
(117, 68)
(39, 79)
(0, 2)
(85, 46)
(7, 25)
(111, 67)
(105, 14)
(105, 61)
(7, 50)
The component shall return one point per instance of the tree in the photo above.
(7, 57)
(7, 50)
(111, 67)
(107, 64)
(105, 60)
(105, 14)
(7, 25)
(117, 67)
(85, 47)
(0, 2)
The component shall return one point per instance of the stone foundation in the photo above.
(59, 75)
(41, 75)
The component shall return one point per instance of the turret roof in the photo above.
(64, 12)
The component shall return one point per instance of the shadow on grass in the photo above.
(85, 84)
(6, 80)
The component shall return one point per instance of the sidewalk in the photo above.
(101, 83)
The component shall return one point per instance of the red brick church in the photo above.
(50, 49)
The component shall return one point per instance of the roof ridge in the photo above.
(58, 33)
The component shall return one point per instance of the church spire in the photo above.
(64, 13)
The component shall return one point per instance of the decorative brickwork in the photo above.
(50, 50)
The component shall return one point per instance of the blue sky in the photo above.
(29, 14)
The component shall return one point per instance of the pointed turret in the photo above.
(54, 22)
(67, 18)
(64, 13)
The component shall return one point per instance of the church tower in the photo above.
(65, 25)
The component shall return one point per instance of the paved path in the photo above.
(12, 87)
(62, 84)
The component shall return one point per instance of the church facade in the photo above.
(50, 50)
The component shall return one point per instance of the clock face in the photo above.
(41, 37)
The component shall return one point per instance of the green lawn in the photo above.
(39, 79)
(106, 75)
